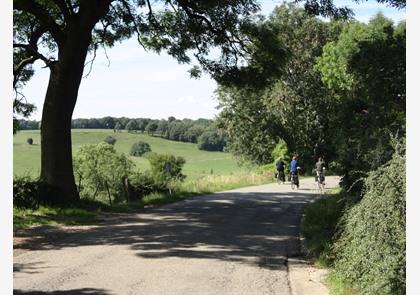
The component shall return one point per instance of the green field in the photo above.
(27, 158)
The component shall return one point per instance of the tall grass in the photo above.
(214, 183)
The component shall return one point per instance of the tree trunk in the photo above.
(60, 100)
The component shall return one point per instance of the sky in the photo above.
(127, 81)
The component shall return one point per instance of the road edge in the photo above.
(304, 277)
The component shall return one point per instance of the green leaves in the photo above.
(166, 169)
(371, 249)
(291, 103)
(98, 167)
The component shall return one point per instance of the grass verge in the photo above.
(319, 226)
(338, 286)
(24, 218)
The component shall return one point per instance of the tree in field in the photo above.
(110, 140)
(107, 122)
(211, 141)
(142, 123)
(171, 119)
(139, 148)
(162, 127)
(152, 127)
(131, 126)
(62, 32)
(117, 127)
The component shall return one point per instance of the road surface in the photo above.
(235, 242)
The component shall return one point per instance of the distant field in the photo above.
(27, 158)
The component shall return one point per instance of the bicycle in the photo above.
(294, 179)
(280, 177)
(320, 180)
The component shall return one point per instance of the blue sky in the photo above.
(135, 83)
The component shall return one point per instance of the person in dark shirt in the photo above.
(280, 171)
(319, 170)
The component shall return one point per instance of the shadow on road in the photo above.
(254, 228)
(83, 291)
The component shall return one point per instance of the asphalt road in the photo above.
(235, 242)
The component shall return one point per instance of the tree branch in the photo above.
(32, 51)
(17, 69)
(191, 14)
(65, 10)
(133, 18)
(42, 16)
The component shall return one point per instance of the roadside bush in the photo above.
(141, 184)
(371, 249)
(99, 168)
(139, 148)
(110, 140)
(25, 192)
(31, 193)
(166, 170)
(30, 141)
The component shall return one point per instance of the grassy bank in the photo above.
(88, 211)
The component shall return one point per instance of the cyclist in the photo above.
(319, 170)
(280, 170)
(294, 170)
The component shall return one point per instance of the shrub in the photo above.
(30, 141)
(139, 148)
(25, 193)
(371, 249)
(141, 184)
(31, 193)
(166, 170)
(131, 126)
(99, 168)
(110, 140)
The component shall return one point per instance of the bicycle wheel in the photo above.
(319, 187)
(292, 182)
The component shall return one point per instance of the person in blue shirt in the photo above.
(294, 169)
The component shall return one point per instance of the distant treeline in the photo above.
(201, 131)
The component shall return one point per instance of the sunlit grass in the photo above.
(338, 286)
(24, 218)
(27, 158)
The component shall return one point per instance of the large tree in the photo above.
(365, 71)
(295, 106)
(62, 32)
